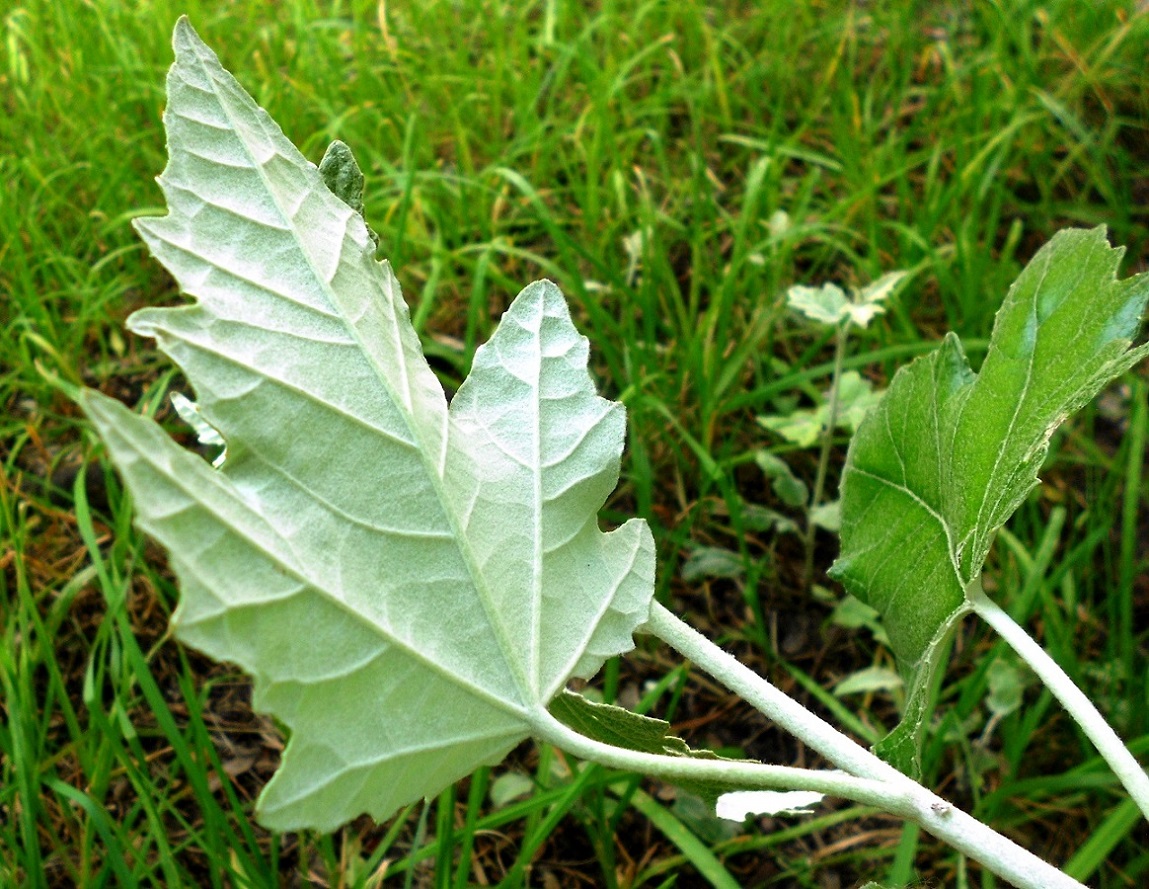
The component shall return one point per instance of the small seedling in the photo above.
(847, 401)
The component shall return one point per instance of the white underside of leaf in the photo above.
(408, 586)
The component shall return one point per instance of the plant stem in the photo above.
(1111, 748)
(896, 793)
(811, 730)
(1131, 541)
(840, 336)
(748, 775)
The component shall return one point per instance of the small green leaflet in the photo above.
(341, 174)
(949, 454)
(803, 428)
(830, 305)
(632, 731)
(408, 584)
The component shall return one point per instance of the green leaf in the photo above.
(826, 304)
(712, 562)
(1007, 682)
(408, 586)
(852, 613)
(827, 516)
(949, 455)
(869, 301)
(829, 304)
(756, 517)
(856, 397)
(868, 680)
(620, 727)
(509, 787)
(790, 489)
(703, 818)
(802, 427)
(341, 174)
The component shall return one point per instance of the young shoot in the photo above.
(412, 585)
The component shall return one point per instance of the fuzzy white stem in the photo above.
(811, 730)
(1108, 744)
(747, 775)
(895, 792)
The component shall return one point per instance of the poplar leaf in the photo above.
(948, 455)
(856, 396)
(827, 304)
(408, 585)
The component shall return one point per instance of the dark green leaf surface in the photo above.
(341, 174)
(950, 454)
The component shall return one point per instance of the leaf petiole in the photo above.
(1104, 738)
(869, 779)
